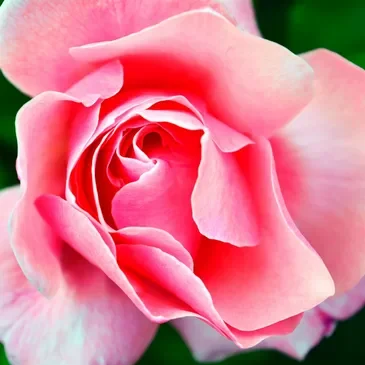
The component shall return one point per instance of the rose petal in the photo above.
(290, 276)
(321, 167)
(71, 224)
(167, 279)
(205, 343)
(44, 126)
(81, 325)
(313, 328)
(221, 201)
(43, 169)
(243, 11)
(228, 68)
(153, 237)
(35, 35)
(149, 267)
(345, 305)
(12, 281)
(160, 199)
(208, 345)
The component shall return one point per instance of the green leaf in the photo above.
(304, 25)
(11, 101)
(3, 360)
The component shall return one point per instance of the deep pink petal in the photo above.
(346, 305)
(228, 68)
(221, 201)
(280, 277)
(160, 199)
(320, 159)
(35, 35)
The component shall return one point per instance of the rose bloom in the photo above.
(174, 165)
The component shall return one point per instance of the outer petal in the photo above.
(160, 285)
(35, 35)
(346, 305)
(282, 276)
(12, 281)
(228, 68)
(313, 328)
(206, 344)
(89, 321)
(44, 129)
(320, 160)
(243, 12)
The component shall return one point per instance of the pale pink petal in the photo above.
(221, 201)
(346, 305)
(206, 344)
(42, 129)
(244, 14)
(160, 199)
(314, 327)
(320, 159)
(35, 35)
(13, 284)
(89, 321)
(68, 222)
(228, 68)
(291, 277)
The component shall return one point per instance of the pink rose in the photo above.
(172, 165)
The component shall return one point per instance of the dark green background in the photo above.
(300, 25)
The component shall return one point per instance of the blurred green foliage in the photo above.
(300, 25)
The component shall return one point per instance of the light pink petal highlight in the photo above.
(35, 35)
(221, 201)
(320, 159)
(226, 66)
(290, 276)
